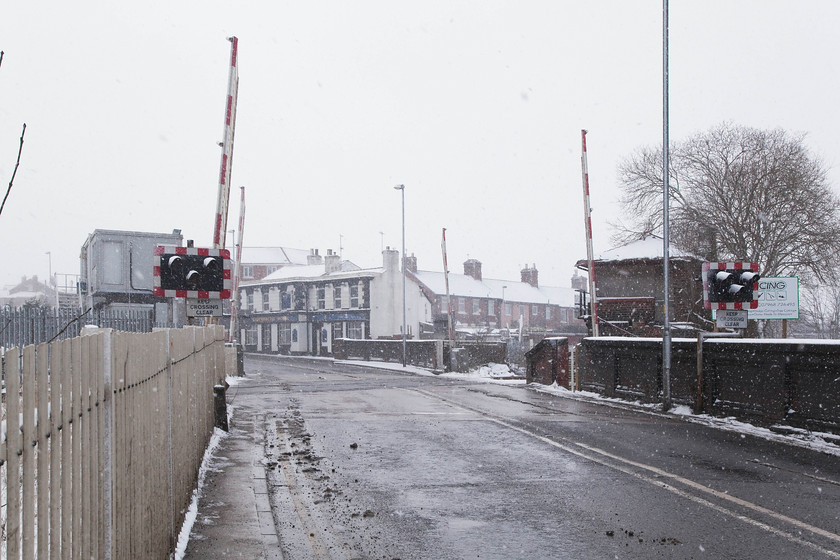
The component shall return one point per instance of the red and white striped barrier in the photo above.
(220, 225)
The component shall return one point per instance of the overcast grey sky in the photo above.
(476, 107)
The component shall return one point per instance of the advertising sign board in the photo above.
(778, 298)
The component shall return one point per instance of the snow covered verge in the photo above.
(206, 464)
(817, 441)
(491, 373)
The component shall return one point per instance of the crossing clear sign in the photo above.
(778, 298)
(733, 318)
(204, 308)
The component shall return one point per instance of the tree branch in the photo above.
(17, 164)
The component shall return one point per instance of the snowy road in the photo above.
(365, 463)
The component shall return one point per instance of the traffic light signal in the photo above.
(191, 272)
(730, 285)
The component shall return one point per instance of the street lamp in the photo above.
(401, 188)
(50, 280)
(502, 312)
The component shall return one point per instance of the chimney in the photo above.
(313, 257)
(390, 259)
(530, 276)
(411, 264)
(579, 282)
(332, 262)
(472, 267)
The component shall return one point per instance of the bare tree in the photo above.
(819, 316)
(17, 163)
(759, 195)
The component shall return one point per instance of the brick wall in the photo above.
(784, 381)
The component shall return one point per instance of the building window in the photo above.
(271, 269)
(354, 296)
(251, 302)
(491, 307)
(251, 336)
(266, 337)
(337, 330)
(462, 305)
(444, 304)
(508, 309)
(285, 300)
(476, 307)
(265, 301)
(355, 330)
(535, 309)
(247, 271)
(322, 299)
(336, 296)
(285, 333)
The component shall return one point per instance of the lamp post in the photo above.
(502, 311)
(50, 279)
(401, 188)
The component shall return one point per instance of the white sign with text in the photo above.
(732, 318)
(204, 308)
(778, 298)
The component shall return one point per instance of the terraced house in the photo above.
(482, 307)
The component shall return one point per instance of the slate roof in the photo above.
(462, 285)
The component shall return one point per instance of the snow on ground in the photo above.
(816, 441)
(206, 461)
(493, 373)
(192, 511)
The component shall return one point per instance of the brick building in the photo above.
(480, 306)
(630, 288)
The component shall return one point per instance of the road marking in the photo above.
(595, 451)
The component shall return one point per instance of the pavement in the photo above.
(234, 518)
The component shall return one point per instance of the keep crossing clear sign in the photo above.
(778, 298)
(204, 308)
(733, 318)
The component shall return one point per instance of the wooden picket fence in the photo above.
(103, 439)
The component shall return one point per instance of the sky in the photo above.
(476, 107)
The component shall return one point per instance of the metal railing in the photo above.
(35, 325)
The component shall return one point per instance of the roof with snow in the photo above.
(649, 248)
(274, 255)
(463, 285)
(309, 272)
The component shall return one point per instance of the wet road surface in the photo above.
(366, 463)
